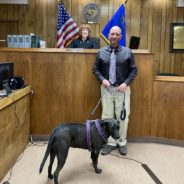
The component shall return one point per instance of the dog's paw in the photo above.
(98, 171)
(51, 177)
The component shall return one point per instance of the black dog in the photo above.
(74, 135)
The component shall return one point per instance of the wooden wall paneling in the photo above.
(4, 24)
(158, 126)
(144, 24)
(116, 6)
(51, 24)
(81, 6)
(104, 18)
(167, 59)
(110, 9)
(84, 104)
(167, 123)
(163, 34)
(68, 4)
(57, 91)
(25, 18)
(128, 20)
(63, 100)
(40, 18)
(13, 12)
(74, 10)
(174, 18)
(93, 25)
(182, 55)
(182, 67)
(95, 30)
(150, 27)
(8, 27)
(135, 17)
(178, 63)
(3, 12)
(45, 20)
(97, 25)
(173, 60)
(141, 100)
(31, 18)
(22, 19)
(3, 31)
(156, 34)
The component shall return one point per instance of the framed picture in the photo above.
(177, 37)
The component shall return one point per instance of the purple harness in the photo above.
(100, 131)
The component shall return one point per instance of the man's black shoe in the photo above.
(107, 149)
(123, 150)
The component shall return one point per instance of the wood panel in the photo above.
(149, 19)
(168, 105)
(10, 27)
(65, 88)
(141, 97)
(14, 128)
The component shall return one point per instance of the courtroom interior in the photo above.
(47, 83)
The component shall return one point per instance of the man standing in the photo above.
(115, 68)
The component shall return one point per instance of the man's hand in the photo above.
(106, 83)
(122, 88)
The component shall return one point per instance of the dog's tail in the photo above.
(49, 147)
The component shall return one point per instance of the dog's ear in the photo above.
(106, 123)
(103, 122)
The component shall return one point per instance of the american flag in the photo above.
(67, 29)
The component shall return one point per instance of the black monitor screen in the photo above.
(6, 72)
(134, 42)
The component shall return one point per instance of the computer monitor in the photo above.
(6, 73)
(134, 42)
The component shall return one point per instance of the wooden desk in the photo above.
(14, 127)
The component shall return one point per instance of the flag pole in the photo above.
(125, 2)
(104, 38)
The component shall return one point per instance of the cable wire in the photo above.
(146, 168)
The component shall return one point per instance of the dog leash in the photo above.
(94, 109)
(123, 111)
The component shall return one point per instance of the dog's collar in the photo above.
(100, 131)
(88, 131)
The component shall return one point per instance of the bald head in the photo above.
(115, 29)
(115, 36)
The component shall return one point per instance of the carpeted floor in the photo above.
(166, 162)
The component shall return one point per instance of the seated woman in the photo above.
(84, 40)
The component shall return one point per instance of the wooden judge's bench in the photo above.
(65, 90)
